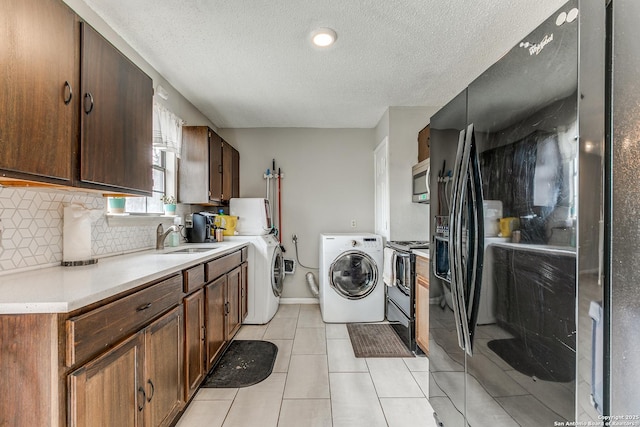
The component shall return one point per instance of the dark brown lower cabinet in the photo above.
(234, 321)
(244, 285)
(216, 315)
(108, 391)
(164, 369)
(137, 383)
(146, 379)
(194, 339)
(91, 368)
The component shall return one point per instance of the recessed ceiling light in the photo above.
(323, 37)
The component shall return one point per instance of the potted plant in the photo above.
(169, 204)
(116, 204)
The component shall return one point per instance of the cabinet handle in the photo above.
(226, 307)
(219, 168)
(143, 307)
(153, 390)
(90, 96)
(67, 87)
(203, 333)
(144, 398)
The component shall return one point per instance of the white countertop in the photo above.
(64, 289)
(421, 252)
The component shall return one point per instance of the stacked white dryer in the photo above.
(266, 264)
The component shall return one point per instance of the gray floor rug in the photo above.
(244, 363)
(376, 340)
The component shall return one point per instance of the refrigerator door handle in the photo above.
(454, 256)
(463, 265)
(471, 300)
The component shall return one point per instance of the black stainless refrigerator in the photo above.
(520, 265)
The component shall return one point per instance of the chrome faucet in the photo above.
(161, 234)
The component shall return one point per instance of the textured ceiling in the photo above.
(249, 63)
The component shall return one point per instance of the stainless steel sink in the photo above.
(190, 250)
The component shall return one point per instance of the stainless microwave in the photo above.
(421, 174)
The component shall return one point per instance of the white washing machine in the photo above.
(265, 277)
(351, 287)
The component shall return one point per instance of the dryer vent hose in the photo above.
(313, 284)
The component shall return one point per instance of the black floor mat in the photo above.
(534, 361)
(244, 363)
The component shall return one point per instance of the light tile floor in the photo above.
(317, 381)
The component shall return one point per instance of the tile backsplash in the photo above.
(31, 223)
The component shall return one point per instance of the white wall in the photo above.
(409, 221)
(328, 181)
(382, 128)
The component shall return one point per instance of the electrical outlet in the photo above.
(354, 224)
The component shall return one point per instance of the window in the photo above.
(152, 204)
(167, 142)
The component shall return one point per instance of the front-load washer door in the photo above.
(353, 275)
(277, 271)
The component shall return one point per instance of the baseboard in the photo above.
(299, 301)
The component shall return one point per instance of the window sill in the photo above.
(137, 220)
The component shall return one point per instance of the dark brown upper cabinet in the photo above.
(216, 168)
(39, 90)
(227, 171)
(117, 102)
(209, 168)
(424, 143)
(73, 110)
(235, 174)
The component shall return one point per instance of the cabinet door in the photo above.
(233, 302)
(39, 68)
(193, 185)
(194, 342)
(215, 314)
(424, 144)
(422, 313)
(244, 289)
(215, 168)
(235, 173)
(227, 171)
(108, 391)
(117, 99)
(164, 368)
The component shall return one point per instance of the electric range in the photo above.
(400, 309)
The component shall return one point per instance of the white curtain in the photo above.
(167, 129)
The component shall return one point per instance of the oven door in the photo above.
(403, 272)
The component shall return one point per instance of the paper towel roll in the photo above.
(76, 235)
